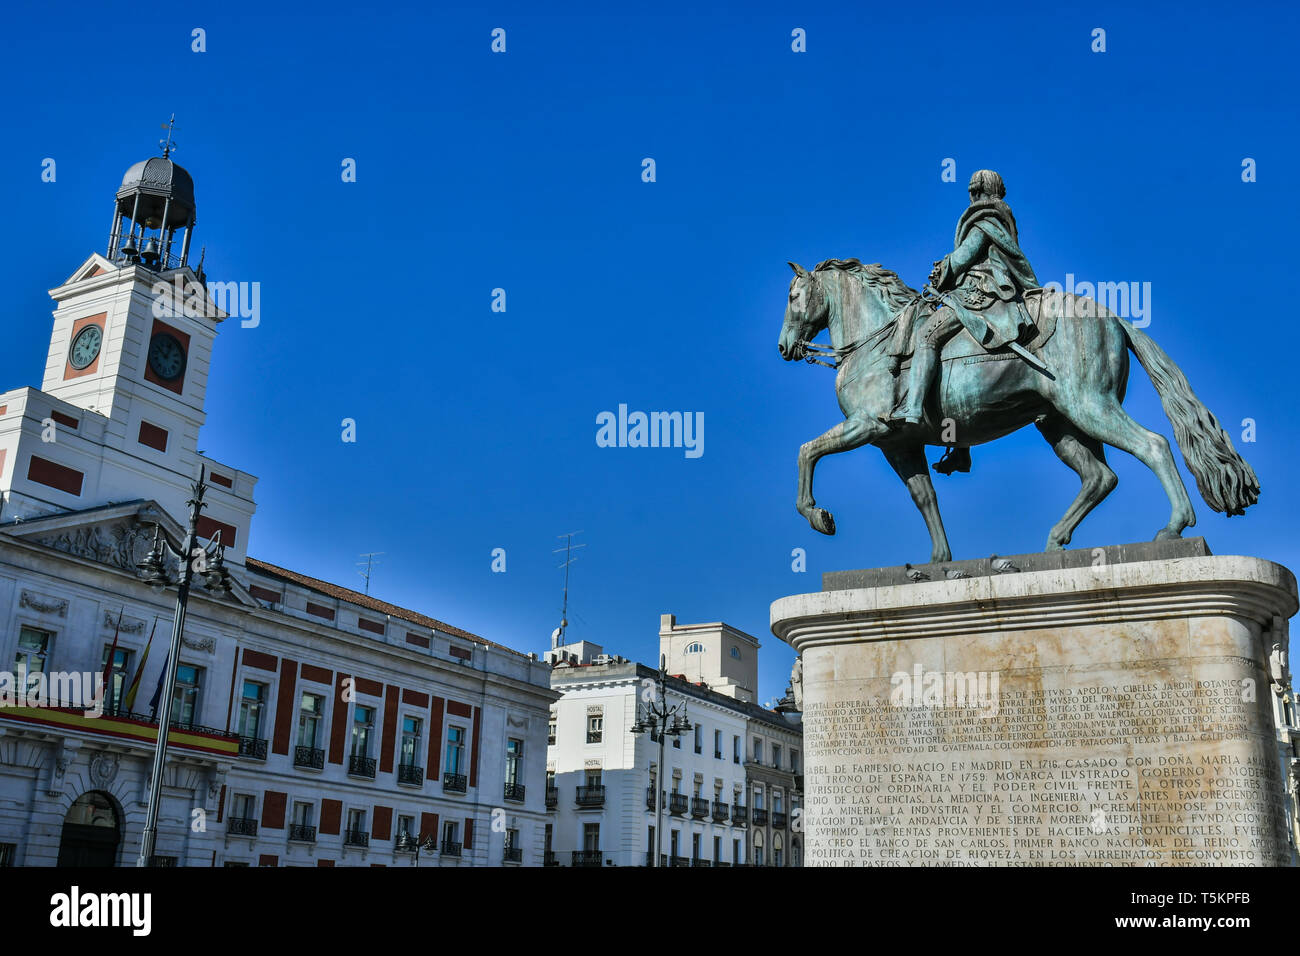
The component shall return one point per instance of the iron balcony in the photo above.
(450, 848)
(361, 766)
(588, 857)
(778, 819)
(310, 758)
(699, 808)
(759, 816)
(677, 804)
(591, 797)
(701, 861)
(410, 774)
(513, 854)
(356, 838)
(739, 814)
(252, 747)
(675, 860)
(549, 859)
(515, 792)
(594, 736)
(301, 833)
(552, 797)
(453, 782)
(241, 826)
(720, 811)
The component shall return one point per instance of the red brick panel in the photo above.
(331, 814)
(56, 476)
(273, 810)
(469, 833)
(67, 421)
(460, 652)
(374, 627)
(339, 731)
(429, 826)
(208, 528)
(268, 859)
(320, 675)
(324, 862)
(263, 662)
(457, 709)
(320, 611)
(382, 825)
(264, 594)
(389, 741)
(415, 698)
(219, 479)
(285, 706)
(151, 436)
(435, 739)
(371, 688)
(416, 639)
(474, 750)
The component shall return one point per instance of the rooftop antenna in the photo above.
(370, 563)
(557, 635)
(167, 144)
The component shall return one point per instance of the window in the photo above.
(411, 727)
(250, 709)
(7, 851)
(547, 834)
(776, 801)
(512, 840)
(451, 832)
(309, 718)
(758, 750)
(118, 676)
(514, 752)
(591, 836)
(794, 760)
(185, 697)
(758, 798)
(33, 648)
(695, 846)
(758, 849)
(735, 652)
(405, 826)
(356, 821)
(363, 722)
(672, 842)
(699, 739)
(550, 730)
(735, 852)
(243, 806)
(455, 748)
(717, 849)
(695, 648)
(593, 778)
(717, 745)
(595, 728)
(776, 755)
(302, 814)
(735, 749)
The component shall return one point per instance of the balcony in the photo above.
(676, 860)
(309, 758)
(591, 797)
(677, 804)
(650, 799)
(739, 814)
(549, 859)
(700, 861)
(450, 848)
(453, 783)
(588, 857)
(758, 816)
(798, 782)
(720, 811)
(699, 808)
(361, 766)
(552, 797)
(252, 747)
(241, 826)
(512, 854)
(301, 833)
(721, 863)
(778, 819)
(410, 774)
(514, 792)
(595, 736)
(356, 838)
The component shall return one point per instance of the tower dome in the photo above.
(156, 199)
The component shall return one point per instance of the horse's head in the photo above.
(806, 314)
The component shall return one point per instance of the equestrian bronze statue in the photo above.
(981, 351)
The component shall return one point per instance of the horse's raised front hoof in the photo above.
(1166, 534)
(1054, 545)
(822, 521)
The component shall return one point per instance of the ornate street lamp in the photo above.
(209, 564)
(661, 721)
(409, 844)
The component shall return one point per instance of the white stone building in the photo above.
(313, 725)
(601, 777)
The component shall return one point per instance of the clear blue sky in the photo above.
(523, 171)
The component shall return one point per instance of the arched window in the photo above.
(696, 648)
(735, 652)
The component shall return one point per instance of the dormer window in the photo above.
(695, 648)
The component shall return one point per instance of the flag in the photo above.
(112, 653)
(139, 671)
(157, 692)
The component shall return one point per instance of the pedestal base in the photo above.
(1104, 711)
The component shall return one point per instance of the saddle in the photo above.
(1044, 308)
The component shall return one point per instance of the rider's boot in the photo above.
(910, 410)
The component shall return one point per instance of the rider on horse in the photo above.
(982, 284)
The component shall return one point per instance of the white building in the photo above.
(313, 726)
(601, 777)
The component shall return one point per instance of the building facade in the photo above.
(312, 725)
(602, 777)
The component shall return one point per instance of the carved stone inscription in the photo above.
(1139, 770)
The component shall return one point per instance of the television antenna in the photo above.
(557, 635)
(369, 563)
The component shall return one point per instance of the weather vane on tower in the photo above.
(167, 144)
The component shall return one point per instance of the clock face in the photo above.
(85, 346)
(166, 357)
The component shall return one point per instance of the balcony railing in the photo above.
(552, 797)
(252, 747)
(595, 736)
(721, 863)
(588, 857)
(699, 808)
(675, 860)
(778, 819)
(454, 782)
(650, 798)
(701, 861)
(410, 774)
(720, 811)
(549, 858)
(356, 838)
(310, 758)
(515, 792)
(739, 814)
(759, 816)
(677, 803)
(361, 766)
(450, 848)
(241, 826)
(591, 797)
(513, 854)
(301, 833)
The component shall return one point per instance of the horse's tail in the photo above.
(1226, 482)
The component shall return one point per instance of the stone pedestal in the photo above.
(1105, 707)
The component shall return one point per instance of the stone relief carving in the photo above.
(103, 769)
(43, 606)
(116, 547)
(129, 626)
(512, 721)
(206, 644)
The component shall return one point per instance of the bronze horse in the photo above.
(1076, 404)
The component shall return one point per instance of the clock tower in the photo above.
(118, 414)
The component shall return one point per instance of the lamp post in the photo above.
(409, 844)
(661, 721)
(209, 562)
